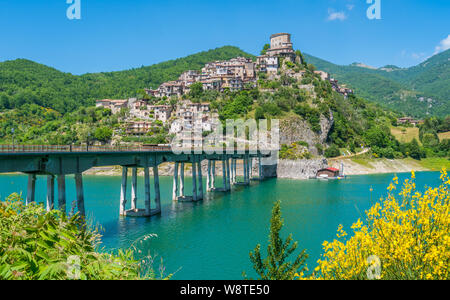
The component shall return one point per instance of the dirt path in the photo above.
(350, 156)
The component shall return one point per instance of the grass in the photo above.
(435, 163)
(444, 136)
(405, 134)
(363, 162)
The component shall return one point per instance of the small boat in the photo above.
(323, 177)
(330, 174)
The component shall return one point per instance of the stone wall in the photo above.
(300, 169)
(295, 129)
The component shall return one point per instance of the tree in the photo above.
(333, 151)
(415, 151)
(259, 113)
(196, 90)
(274, 266)
(265, 48)
(103, 134)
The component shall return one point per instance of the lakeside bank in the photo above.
(304, 169)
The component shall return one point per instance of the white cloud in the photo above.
(444, 45)
(336, 15)
(350, 6)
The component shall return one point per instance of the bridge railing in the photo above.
(85, 149)
(77, 149)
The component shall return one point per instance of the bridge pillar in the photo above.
(245, 172)
(175, 182)
(228, 174)
(50, 192)
(123, 191)
(80, 194)
(194, 179)
(31, 188)
(157, 190)
(224, 174)
(134, 188)
(213, 174)
(147, 191)
(182, 180)
(245, 167)
(208, 177)
(200, 179)
(62, 193)
(260, 173)
(233, 170)
(250, 168)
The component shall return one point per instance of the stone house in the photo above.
(114, 105)
(138, 127)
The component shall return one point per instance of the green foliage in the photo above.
(415, 151)
(26, 82)
(275, 266)
(46, 106)
(295, 151)
(37, 125)
(428, 134)
(319, 148)
(196, 90)
(332, 151)
(236, 105)
(103, 134)
(259, 113)
(36, 245)
(265, 48)
(311, 114)
(399, 89)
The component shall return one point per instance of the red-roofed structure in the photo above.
(328, 173)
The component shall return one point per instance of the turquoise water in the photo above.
(212, 239)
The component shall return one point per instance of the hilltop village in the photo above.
(232, 75)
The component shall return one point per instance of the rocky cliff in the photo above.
(300, 169)
(294, 129)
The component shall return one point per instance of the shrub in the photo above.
(332, 151)
(319, 148)
(275, 266)
(38, 245)
(408, 234)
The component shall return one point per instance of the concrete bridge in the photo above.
(59, 161)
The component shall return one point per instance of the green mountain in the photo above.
(417, 91)
(23, 81)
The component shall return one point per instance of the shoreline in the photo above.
(364, 166)
(301, 170)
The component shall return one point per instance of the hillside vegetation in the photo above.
(417, 91)
(45, 106)
(26, 82)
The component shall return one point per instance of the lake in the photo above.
(212, 239)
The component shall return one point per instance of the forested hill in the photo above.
(23, 81)
(417, 91)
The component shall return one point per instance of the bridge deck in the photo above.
(66, 159)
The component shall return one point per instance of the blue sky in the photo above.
(116, 35)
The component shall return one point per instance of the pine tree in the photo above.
(275, 266)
